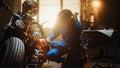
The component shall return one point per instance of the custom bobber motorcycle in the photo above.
(19, 39)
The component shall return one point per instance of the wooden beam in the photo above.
(38, 1)
(61, 4)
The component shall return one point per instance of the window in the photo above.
(48, 12)
(50, 8)
(73, 5)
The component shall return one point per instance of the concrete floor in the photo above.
(51, 64)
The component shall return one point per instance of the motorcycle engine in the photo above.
(36, 31)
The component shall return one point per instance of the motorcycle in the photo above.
(20, 46)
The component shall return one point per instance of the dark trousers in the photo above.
(73, 59)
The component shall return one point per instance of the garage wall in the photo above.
(4, 14)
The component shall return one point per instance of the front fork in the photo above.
(36, 60)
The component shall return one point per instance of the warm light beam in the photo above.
(47, 18)
(96, 4)
(48, 12)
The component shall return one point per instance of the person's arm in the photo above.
(79, 25)
(55, 33)
(49, 39)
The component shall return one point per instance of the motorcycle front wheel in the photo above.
(12, 53)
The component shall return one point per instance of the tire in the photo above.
(12, 53)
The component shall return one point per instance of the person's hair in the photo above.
(66, 16)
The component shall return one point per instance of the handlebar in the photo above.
(8, 8)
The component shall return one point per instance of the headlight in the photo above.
(30, 7)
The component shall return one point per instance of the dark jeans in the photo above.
(73, 59)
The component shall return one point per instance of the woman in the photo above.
(70, 29)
